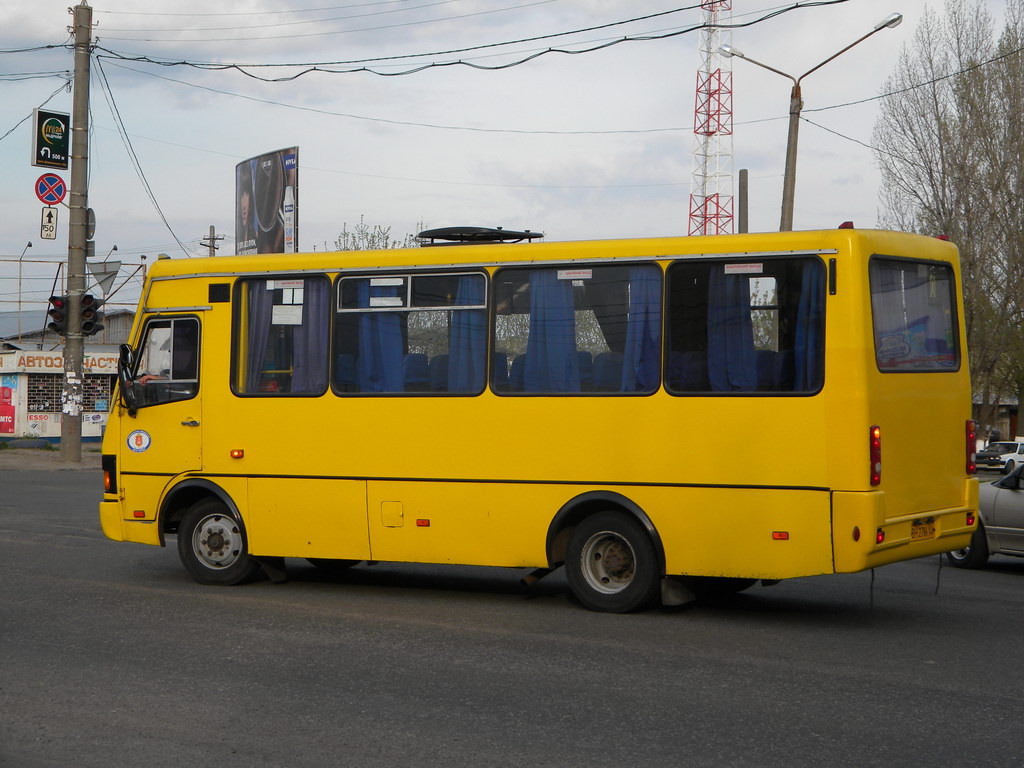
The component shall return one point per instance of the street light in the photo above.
(23, 252)
(795, 105)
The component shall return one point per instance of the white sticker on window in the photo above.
(386, 301)
(375, 281)
(275, 284)
(744, 269)
(289, 314)
(575, 274)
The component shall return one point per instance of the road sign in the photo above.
(50, 188)
(48, 229)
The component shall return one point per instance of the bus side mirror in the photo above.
(125, 366)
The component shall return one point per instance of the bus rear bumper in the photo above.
(110, 520)
(863, 537)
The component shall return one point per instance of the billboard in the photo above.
(267, 203)
(50, 139)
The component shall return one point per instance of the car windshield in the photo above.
(1002, 447)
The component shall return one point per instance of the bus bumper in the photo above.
(110, 520)
(863, 537)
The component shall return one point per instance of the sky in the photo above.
(585, 146)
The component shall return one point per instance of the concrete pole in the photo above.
(789, 180)
(74, 346)
(742, 219)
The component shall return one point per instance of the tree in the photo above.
(363, 237)
(950, 145)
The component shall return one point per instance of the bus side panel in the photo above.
(139, 507)
(469, 523)
(745, 532)
(307, 517)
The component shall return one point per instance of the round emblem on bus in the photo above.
(139, 440)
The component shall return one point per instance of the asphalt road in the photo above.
(111, 656)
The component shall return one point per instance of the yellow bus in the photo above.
(659, 416)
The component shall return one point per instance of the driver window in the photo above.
(168, 367)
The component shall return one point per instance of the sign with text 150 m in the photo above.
(48, 226)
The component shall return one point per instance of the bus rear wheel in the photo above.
(213, 547)
(611, 564)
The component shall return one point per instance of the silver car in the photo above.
(1001, 525)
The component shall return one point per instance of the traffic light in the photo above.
(91, 316)
(58, 314)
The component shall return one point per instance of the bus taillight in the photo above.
(972, 447)
(876, 455)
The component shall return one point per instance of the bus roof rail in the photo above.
(474, 236)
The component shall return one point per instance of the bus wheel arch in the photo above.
(612, 553)
(183, 497)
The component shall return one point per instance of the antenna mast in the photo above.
(711, 200)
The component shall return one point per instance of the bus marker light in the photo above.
(972, 446)
(970, 518)
(139, 513)
(875, 450)
(237, 453)
(879, 536)
(780, 535)
(422, 523)
(856, 533)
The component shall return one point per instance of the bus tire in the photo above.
(612, 565)
(975, 555)
(213, 547)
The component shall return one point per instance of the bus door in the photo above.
(164, 436)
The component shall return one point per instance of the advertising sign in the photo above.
(6, 411)
(50, 138)
(267, 203)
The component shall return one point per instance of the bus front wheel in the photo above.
(611, 564)
(212, 545)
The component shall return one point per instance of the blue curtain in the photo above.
(642, 355)
(468, 338)
(551, 361)
(810, 324)
(261, 302)
(381, 347)
(309, 340)
(732, 365)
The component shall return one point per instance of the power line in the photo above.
(131, 154)
(279, 24)
(250, 13)
(388, 121)
(342, 31)
(325, 67)
(29, 115)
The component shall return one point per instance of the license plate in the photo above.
(922, 531)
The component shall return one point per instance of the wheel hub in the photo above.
(217, 541)
(608, 562)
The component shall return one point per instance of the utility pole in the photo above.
(213, 237)
(74, 348)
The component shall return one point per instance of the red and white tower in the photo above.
(711, 199)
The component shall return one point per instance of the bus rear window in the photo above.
(914, 321)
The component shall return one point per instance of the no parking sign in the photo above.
(50, 188)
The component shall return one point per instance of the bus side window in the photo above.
(566, 330)
(413, 333)
(168, 367)
(746, 327)
(282, 326)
